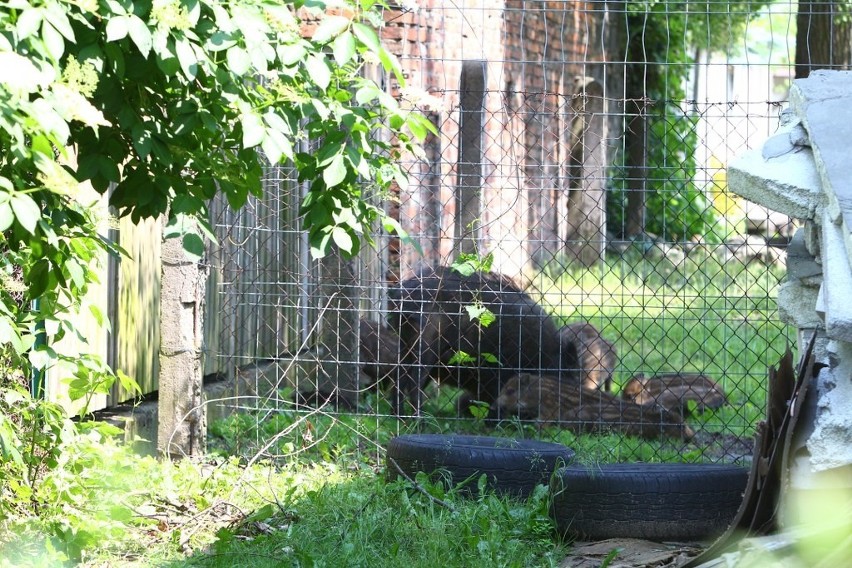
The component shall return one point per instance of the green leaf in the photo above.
(117, 28)
(420, 126)
(38, 278)
(393, 226)
(253, 130)
(75, 271)
(486, 318)
(239, 61)
(461, 358)
(489, 358)
(141, 140)
(6, 216)
(335, 172)
(330, 26)
(342, 239)
(53, 41)
(39, 358)
(474, 311)
(193, 246)
(328, 151)
(41, 145)
(128, 383)
(391, 63)
(479, 409)
(26, 211)
(367, 36)
(262, 514)
(291, 54)
(343, 48)
(276, 146)
(465, 268)
(9, 442)
(318, 70)
(320, 244)
(98, 315)
(220, 41)
(140, 34)
(186, 58)
(367, 93)
(260, 56)
(58, 18)
(277, 122)
(28, 22)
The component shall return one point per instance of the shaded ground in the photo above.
(630, 553)
(725, 448)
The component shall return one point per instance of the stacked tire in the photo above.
(659, 501)
(512, 467)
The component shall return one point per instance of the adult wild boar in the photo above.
(431, 314)
(378, 350)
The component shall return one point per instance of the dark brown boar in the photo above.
(597, 355)
(430, 314)
(674, 391)
(378, 350)
(579, 409)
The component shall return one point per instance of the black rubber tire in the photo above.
(660, 501)
(513, 467)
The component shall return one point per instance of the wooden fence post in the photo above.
(469, 185)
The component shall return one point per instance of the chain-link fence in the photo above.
(609, 290)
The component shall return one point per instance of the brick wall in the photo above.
(532, 53)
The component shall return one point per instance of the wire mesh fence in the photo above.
(609, 290)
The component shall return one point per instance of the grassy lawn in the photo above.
(285, 488)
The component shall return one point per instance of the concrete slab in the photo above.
(821, 101)
(837, 283)
(787, 183)
(830, 444)
(796, 305)
(801, 265)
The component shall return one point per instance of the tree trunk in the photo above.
(636, 140)
(823, 36)
(635, 162)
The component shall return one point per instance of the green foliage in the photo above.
(31, 434)
(162, 104)
(468, 263)
(662, 38)
(676, 210)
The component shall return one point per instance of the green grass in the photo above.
(359, 521)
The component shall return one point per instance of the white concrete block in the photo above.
(796, 303)
(787, 183)
(837, 283)
(830, 444)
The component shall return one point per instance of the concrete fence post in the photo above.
(182, 426)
